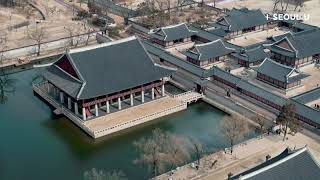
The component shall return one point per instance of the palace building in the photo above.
(279, 75)
(250, 57)
(172, 35)
(208, 53)
(240, 21)
(105, 78)
(288, 165)
(296, 49)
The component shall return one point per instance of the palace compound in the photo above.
(265, 62)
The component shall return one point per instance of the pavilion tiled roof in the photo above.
(308, 96)
(238, 19)
(62, 80)
(206, 51)
(289, 165)
(173, 32)
(205, 34)
(252, 55)
(279, 71)
(107, 68)
(302, 44)
(190, 67)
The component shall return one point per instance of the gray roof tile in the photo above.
(206, 51)
(113, 67)
(289, 165)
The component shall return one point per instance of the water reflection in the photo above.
(7, 85)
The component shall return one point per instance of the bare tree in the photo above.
(262, 123)
(214, 3)
(198, 150)
(298, 3)
(74, 33)
(161, 14)
(37, 35)
(287, 118)
(95, 174)
(6, 83)
(176, 150)
(153, 151)
(180, 4)
(275, 4)
(234, 128)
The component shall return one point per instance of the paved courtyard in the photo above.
(256, 37)
(245, 156)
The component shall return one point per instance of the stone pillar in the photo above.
(48, 88)
(131, 99)
(97, 109)
(142, 96)
(108, 108)
(162, 90)
(76, 108)
(61, 97)
(55, 92)
(119, 103)
(69, 103)
(152, 93)
(84, 114)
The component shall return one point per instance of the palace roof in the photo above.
(173, 32)
(302, 110)
(308, 96)
(289, 165)
(279, 71)
(238, 19)
(252, 55)
(206, 51)
(105, 69)
(298, 45)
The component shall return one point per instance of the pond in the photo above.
(37, 145)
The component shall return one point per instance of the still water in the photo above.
(36, 145)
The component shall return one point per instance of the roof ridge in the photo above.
(282, 65)
(290, 156)
(306, 93)
(253, 49)
(131, 38)
(208, 43)
(172, 26)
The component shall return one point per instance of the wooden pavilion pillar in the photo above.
(131, 99)
(84, 117)
(162, 90)
(96, 109)
(152, 93)
(76, 111)
(142, 96)
(119, 103)
(108, 108)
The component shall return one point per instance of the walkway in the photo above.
(246, 156)
(135, 115)
(188, 97)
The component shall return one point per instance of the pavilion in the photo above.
(93, 80)
(279, 75)
(296, 49)
(240, 21)
(250, 57)
(299, 164)
(208, 53)
(172, 35)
